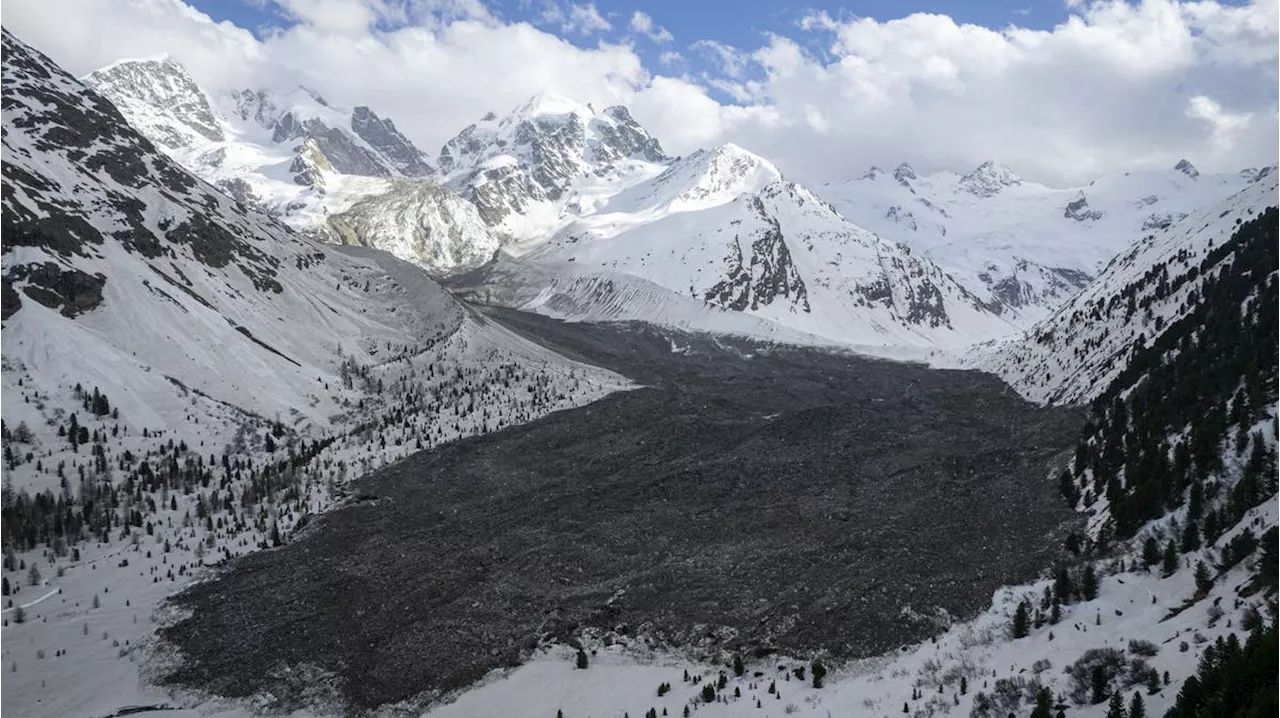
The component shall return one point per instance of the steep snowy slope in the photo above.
(1075, 353)
(547, 161)
(1021, 245)
(720, 228)
(292, 154)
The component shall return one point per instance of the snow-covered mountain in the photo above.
(342, 174)
(1075, 353)
(1020, 245)
(547, 161)
(124, 271)
(722, 227)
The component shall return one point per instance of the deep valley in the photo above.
(748, 497)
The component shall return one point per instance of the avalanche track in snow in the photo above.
(749, 497)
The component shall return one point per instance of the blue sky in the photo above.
(743, 24)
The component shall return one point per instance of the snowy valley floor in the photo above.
(746, 499)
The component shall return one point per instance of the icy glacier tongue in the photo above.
(343, 175)
(1018, 245)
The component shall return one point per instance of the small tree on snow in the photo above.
(582, 661)
(1020, 621)
(1204, 581)
(1089, 584)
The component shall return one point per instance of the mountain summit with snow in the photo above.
(548, 157)
(342, 175)
(989, 179)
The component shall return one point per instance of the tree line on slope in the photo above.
(1154, 441)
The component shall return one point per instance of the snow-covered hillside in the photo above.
(186, 381)
(1021, 245)
(1074, 354)
(344, 174)
(724, 228)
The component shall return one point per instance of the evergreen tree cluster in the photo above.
(1233, 680)
(1209, 375)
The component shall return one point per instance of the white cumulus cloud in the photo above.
(1114, 87)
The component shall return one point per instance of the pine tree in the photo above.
(1055, 612)
(964, 685)
(1170, 564)
(582, 659)
(738, 668)
(1151, 551)
(1269, 567)
(1098, 684)
(1043, 708)
(1190, 537)
(1062, 584)
(1204, 581)
(1136, 707)
(1089, 584)
(1020, 621)
(1116, 709)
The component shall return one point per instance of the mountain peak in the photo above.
(550, 103)
(989, 178)
(1185, 167)
(177, 112)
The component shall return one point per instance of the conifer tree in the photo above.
(1190, 537)
(1020, 621)
(1170, 563)
(1043, 708)
(1116, 708)
(1151, 551)
(1089, 584)
(1136, 707)
(1204, 581)
(1098, 684)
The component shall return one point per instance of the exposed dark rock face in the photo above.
(1185, 167)
(1078, 209)
(504, 190)
(1030, 283)
(10, 302)
(766, 275)
(627, 138)
(1162, 220)
(904, 174)
(343, 154)
(382, 135)
(749, 497)
(70, 290)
